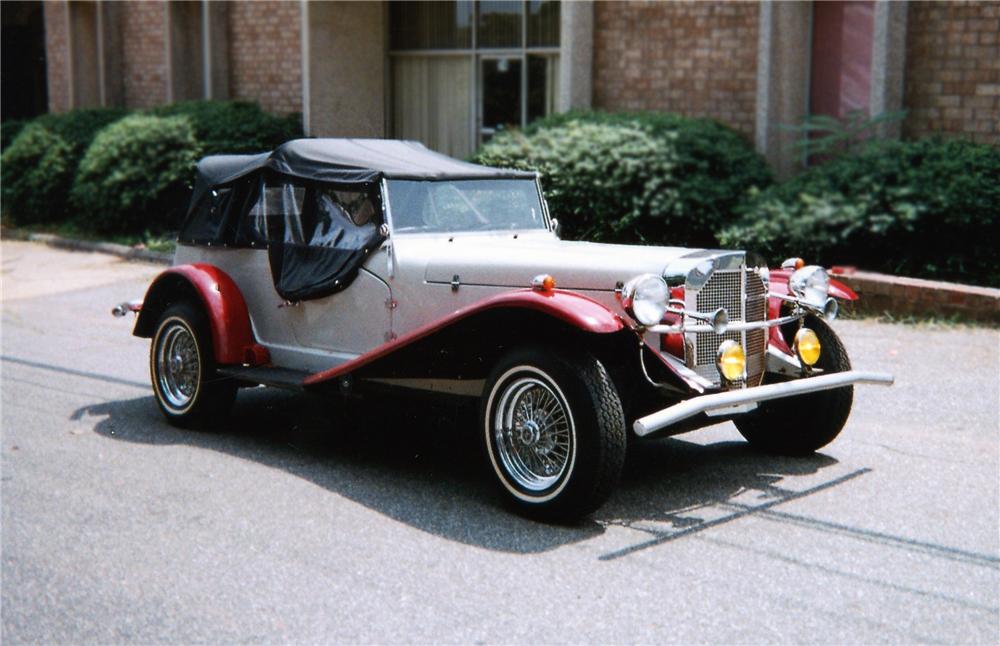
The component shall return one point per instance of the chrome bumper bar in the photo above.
(734, 326)
(718, 403)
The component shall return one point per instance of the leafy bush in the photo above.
(602, 181)
(34, 173)
(921, 208)
(79, 127)
(234, 126)
(135, 174)
(9, 129)
(714, 169)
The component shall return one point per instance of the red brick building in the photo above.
(450, 73)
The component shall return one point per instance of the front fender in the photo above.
(574, 309)
(222, 300)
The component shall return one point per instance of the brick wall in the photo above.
(57, 55)
(145, 53)
(695, 58)
(953, 70)
(265, 54)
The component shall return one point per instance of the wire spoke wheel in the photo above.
(533, 433)
(178, 364)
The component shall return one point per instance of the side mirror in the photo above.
(556, 228)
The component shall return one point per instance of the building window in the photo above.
(461, 71)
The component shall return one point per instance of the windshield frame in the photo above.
(388, 216)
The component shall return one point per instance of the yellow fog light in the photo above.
(807, 346)
(731, 361)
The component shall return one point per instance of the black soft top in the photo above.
(345, 161)
(315, 247)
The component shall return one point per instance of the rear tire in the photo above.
(803, 424)
(553, 431)
(182, 368)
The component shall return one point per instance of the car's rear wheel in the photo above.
(182, 368)
(805, 423)
(554, 431)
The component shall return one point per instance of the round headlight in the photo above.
(811, 284)
(807, 346)
(645, 298)
(731, 361)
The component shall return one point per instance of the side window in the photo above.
(340, 217)
(206, 222)
(277, 214)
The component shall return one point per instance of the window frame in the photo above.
(476, 56)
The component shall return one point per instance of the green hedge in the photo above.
(926, 208)
(234, 126)
(713, 170)
(36, 171)
(590, 171)
(43, 170)
(135, 175)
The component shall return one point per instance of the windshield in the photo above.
(465, 205)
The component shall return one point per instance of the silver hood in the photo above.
(505, 261)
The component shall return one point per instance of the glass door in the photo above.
(501, 94)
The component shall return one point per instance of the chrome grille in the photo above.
(755, 346)
(728, 289)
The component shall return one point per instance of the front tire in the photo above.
(805, 423)
(554, 431)
(182, 368)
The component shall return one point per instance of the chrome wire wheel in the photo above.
(533, 433)
(178, 366)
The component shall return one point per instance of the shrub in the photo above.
(135, 175)
(79, 127)
(603, 181)
(9, 129)
(922, 208)
(715, 168)
(34, 173)
(234, 126)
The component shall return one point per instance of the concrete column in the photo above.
(888, 64)
(110, 43)
(783, 61)
(344, 80)
(215, 35)
(576, 55)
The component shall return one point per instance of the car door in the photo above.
(327, 297)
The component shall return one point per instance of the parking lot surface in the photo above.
(300, 521)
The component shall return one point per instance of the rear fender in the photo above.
(229, 320)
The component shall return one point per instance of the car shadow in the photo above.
(421, 466)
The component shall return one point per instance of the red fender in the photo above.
(779, 284)
(574, 309)
(229, 320)
(779, 279)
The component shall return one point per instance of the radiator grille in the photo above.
(726, 289)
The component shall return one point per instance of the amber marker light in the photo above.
(793, 263)
(731, 361)
(543, 283)
(807, 346)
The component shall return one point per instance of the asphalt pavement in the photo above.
(299, 522)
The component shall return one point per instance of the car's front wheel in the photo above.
(182, 368)
(554, 431)
(805, 423)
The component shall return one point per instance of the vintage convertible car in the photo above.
(339, 265)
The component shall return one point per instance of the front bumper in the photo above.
(737, 400)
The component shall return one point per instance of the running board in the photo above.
(277, 377)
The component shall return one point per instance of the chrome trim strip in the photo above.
(733, 326)
(715, 402)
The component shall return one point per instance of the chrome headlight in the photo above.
(811, 284)
(645, 298)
